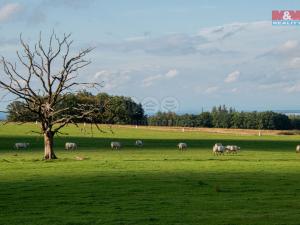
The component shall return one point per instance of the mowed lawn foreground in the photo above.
(156, 184)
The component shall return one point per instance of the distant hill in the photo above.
(289, 112)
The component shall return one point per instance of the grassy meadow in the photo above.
(156, 184)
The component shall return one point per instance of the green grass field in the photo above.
(154, 185)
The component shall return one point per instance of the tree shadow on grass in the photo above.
(135, 198)
(86, 143)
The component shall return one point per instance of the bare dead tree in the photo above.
(48, 73)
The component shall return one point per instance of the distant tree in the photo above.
(49, 74)
(282, 122)
(295, 122)
(237, 120)
(271, 120)
(205, 119)
(266, 121)
(221, 116)
(17, 111)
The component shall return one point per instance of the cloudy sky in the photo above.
(196, 53)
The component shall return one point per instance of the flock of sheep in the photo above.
(218, 148)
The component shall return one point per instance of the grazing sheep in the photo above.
(182, 146)
(139, 143)
(70, 146)
(298, 149)
(115, 145)
(218, 148)
(21, 145)
(232, 149)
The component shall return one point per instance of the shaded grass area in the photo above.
(154, 185)
(102, 143)
(157, 198)
(150, 187)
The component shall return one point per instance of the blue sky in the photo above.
(198, 53)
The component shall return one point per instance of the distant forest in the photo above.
(223, 117)
(123, 110)
(112, 109)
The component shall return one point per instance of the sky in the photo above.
(180, 55)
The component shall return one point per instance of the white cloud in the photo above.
(234, 90)
(136, 38)
(288, 49)
(222, 32)
(295, 62)
(293, 89)
(171, 44)
(272, 86)
(111, 79)
(149, 81)
(211, 90)
(8, 10)
(290, 44)
(172, 73)
(281, 87)
(101, 74)
(232, 77)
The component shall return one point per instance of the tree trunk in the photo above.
(48, 142)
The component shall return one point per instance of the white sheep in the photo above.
(182, 146)
(115, 145)
(232, 148)
(218, 148)
(70, 146)
(139, 143)
(21, 145)
(298, 149)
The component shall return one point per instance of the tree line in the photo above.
(123, 110)
(223, 117)
(111, 109)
